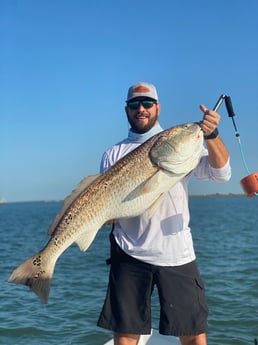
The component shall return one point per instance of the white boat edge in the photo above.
(153, 339)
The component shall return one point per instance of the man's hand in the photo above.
(210, 120)
(217, 151)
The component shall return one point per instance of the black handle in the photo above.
(229, 106)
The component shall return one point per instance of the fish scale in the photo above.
(132, 186)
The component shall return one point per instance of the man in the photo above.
(159, 251)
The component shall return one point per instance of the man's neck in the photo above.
(142, 137)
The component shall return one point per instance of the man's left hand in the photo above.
(210, 120)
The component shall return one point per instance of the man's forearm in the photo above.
(218, 153)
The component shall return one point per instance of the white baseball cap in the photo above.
(142, 89)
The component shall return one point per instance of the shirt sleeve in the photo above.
(206, 172)
(105, 163)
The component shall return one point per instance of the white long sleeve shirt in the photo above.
(164, 239)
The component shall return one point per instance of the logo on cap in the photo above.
(141, 88)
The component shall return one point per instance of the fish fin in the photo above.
(36, 275)
(147, 187)
(85, 240)
(151, 210)
(69, 200)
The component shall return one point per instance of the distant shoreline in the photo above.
(216, 195)
(191, 196)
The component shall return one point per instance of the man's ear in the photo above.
(158, 108)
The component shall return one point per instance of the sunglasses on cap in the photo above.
(135, 104)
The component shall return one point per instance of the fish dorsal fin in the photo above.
(70, 199)
(146, 187)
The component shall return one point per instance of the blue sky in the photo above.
(66, 66)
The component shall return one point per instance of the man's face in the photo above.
(142, 114)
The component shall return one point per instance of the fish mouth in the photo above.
(200, 133)
(199, 124)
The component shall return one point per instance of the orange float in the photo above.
(250, 184)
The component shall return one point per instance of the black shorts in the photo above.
(127, 308)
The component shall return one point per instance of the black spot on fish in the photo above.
(37, 261)
(68, 218)
(56, 240)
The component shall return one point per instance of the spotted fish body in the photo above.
(130, 187)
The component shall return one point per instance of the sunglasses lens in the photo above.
(147, 104)
(133, 105)
(136, 104)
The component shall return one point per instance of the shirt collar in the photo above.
(141, 138)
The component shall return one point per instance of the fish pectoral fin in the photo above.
(69, 200)
(149, 186)
(85, 239)
(151, 210)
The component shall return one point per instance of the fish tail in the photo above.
(35, 274)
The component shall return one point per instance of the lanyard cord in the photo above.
(232, 114)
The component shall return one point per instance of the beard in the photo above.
(142, 128)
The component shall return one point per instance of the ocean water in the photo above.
(225, 232)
